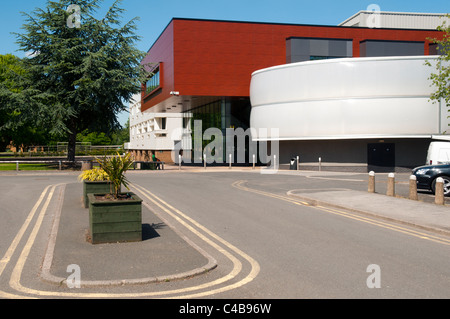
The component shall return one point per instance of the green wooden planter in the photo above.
(115, 221)
(94, 188)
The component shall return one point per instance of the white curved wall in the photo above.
(346, 98)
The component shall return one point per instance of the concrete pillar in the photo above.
(391, 185)
(439, 191)
(413, 187)
(371, 187)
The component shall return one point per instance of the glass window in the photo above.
(316, 57)
(153, 82)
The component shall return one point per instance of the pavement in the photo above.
(165, 255)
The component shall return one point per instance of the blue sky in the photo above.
(155, 15)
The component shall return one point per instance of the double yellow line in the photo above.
(228, 250)
(16, 274)
(340, 212)
(225, 283)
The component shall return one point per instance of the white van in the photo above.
(438, 153)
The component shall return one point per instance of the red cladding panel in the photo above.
(217, 58)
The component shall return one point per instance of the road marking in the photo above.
(17, 271)
(12, 248)
(404, 230)
(237, 268)
(254, 264)
(7, 257)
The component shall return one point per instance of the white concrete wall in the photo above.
(401, 20)
(146, 132)
(347, 99)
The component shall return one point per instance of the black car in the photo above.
(426, 177)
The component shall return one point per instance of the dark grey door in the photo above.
(381, 157)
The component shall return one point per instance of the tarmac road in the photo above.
(224, 234)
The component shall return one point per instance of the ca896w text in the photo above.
(243, 308)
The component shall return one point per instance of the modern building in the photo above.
(202, 69)
(160, 134)
(374, 111)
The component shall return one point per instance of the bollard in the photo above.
(439, 191)
(371, 182)
(204, 160)
(230, 160)
(275, 162)
(298, 163)
(179, 162)
(254, 161)
(413, 187)
(60, 165)
(391, 185)
(17, 165)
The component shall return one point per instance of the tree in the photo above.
(95, 138)
(13, 127)
(79, 75)
(9, 64)
(441, 79)
(121, 136)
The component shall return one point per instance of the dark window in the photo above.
(374, 48)
(315, 57)
(305, 49)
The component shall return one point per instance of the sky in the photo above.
(155, 15)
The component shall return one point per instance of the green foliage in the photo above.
(94, 175)
(95, 138)
(441, 79)
(115, 167)
(14, 127)
(78, 78)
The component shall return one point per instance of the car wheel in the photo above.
(446, 185)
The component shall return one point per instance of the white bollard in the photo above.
(413, 187)
(254, 161)
(391, 185)
(439, 191)
(371, 187)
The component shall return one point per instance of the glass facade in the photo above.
(305, 49)
(221, 114)
(153, 82)
(375, 48)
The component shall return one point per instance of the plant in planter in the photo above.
(95, 180)
(115, 216)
